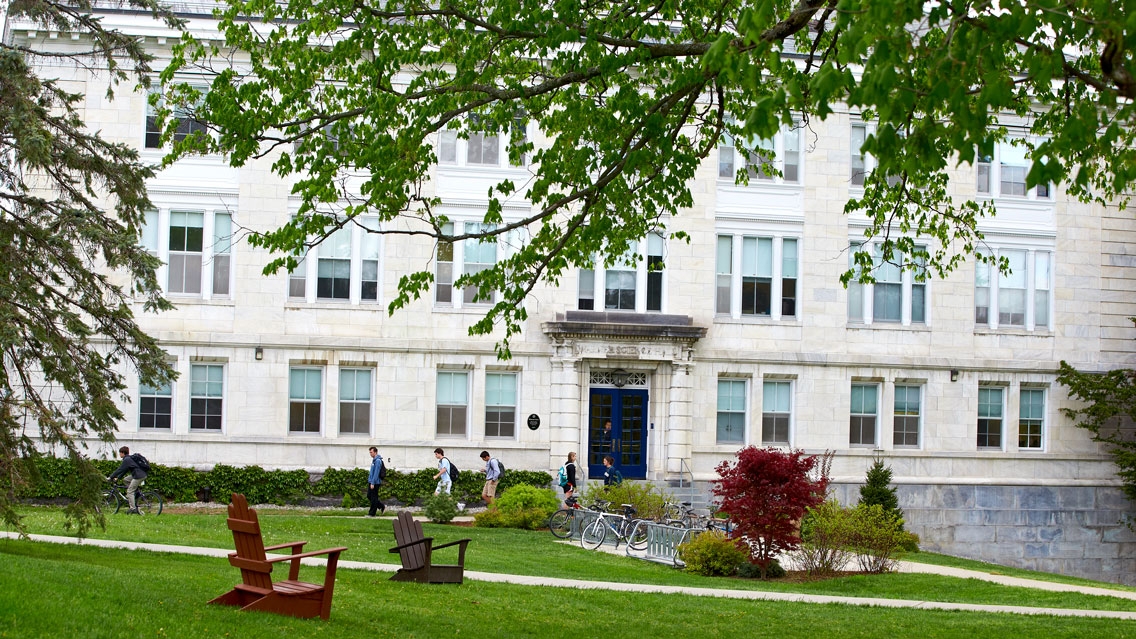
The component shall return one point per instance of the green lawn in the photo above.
(49, 590)
(539, 554)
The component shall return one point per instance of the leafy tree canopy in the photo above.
(1108, 413)
(627, 99)
(71, 205)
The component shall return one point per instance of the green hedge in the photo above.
(57, 479)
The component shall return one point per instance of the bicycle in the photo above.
(626, 529)
(679, 515)
(560, 522)
(146, 501)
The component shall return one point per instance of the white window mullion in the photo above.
(355, 291)
(1030, 256)
(459, 268)
(869, 303)
(163, 272)
(736, 282)
(775, 282)
(207, 236)
(905, 278)
(995, 278)
(311, 265)
(641, 278)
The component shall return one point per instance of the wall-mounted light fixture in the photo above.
(619, 377)
(258, 353)
(954, 375)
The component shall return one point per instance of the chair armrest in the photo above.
(291, 544)
(461, 544)
(424, 540)
(453, 543)
(314, 553)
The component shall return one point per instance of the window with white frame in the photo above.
(305, 395)
(1031, 418)
(186, 125)
(1002, 172)
(452, 402)
(776, 412)
(471, 255)
(906, 416)
(782, 152)
(193, 265)
(731, 411)
(860, 163)
(355, 401)
(500, 404)
(897, 296)
(479, 148)
(156, 406)
(343, 268)
(862, 415)
(1021, 297)
(756, 276)
(206, 396)
(635, 282)
(990, 411)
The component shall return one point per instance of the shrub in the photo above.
(826, 533)
(441, 509)
(712, 554)
(489, 518)
(647, 499)
(876, 537)
(521, 506)
(766, 493)
(877, 489)
(752, 571)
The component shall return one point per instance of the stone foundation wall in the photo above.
(1070, 530)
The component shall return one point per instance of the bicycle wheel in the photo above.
(593, 536)
(149, 502)
(109, 502)
(560, 523)
(637, 538)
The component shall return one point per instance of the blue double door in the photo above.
(626, 441)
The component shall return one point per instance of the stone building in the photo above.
(746, 336)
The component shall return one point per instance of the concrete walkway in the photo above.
(525, 580)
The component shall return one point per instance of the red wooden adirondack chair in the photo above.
(256, 590)
(415, 551)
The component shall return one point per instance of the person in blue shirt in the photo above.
(445, 482)
(492, 472)
(612, 477)
(374, 480)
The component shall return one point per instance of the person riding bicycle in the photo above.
(128, 465)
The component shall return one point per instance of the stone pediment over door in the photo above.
(623, 336)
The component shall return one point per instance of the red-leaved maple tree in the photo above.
(766, 492)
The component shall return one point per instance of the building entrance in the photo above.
(626, 440)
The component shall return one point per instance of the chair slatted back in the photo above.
(406, 530)
(250, 556)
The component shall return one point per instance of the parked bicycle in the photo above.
(148, 502)
(560, 523)
(626, 528)
(680, 515)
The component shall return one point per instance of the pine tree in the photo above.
(878, 490)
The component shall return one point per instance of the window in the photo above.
(480, 148)
(859, 161)
(905, 418)
(500, 404)
(862, 419)
(776, 411)
(345, 268)
(452, 402)
(471, 255)
(635, 282)
(192, 266)
(305, 391)
(355, 401)
(480, 255)
(186, 124)
(756, 276)
(1022, 296)
(155, 406)
(206, 393)
(990, 418)
(783, 153)
(1031, 418)
(1002, 172)
(897, 296)
(731, 411)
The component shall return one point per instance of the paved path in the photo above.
(701, 592)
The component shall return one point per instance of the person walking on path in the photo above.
(445, 482)
(128, 465)
(492, 472)
(374, 480)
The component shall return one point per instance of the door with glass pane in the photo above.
(626, 440)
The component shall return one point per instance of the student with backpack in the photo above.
(446, 473)
(612, 476)
(137, 466)
(567, 476)
(374, 480)
(493, 470)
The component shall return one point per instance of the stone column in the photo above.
(564, 420)
(679, 420)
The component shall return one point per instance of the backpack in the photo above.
(382, 469)
(500, 470)
(142, 462)
(562, 477)
(453, 469)
(616, 477)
